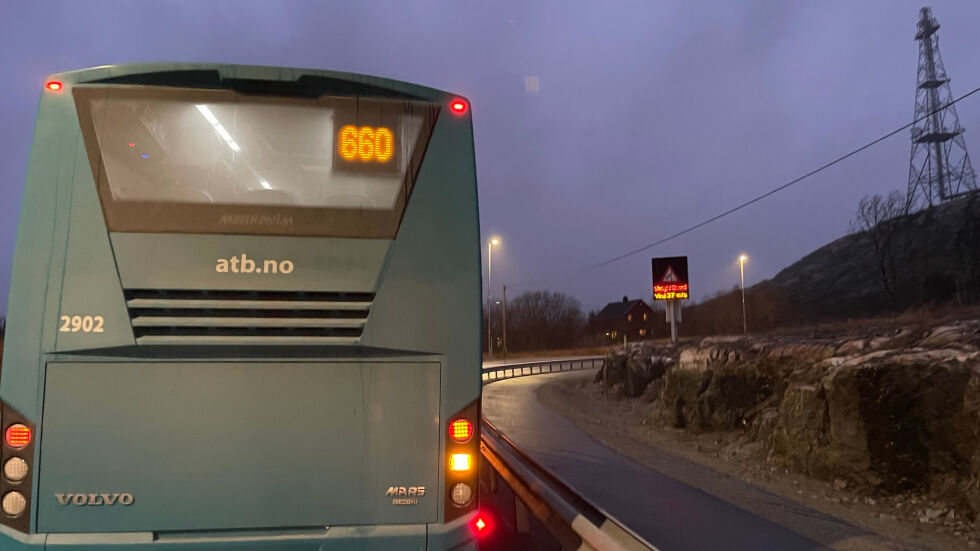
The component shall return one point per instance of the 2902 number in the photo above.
(84, 324)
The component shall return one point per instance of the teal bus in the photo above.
(244, 313)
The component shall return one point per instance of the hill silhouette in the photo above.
(926, 257)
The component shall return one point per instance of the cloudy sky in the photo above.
(649, 116)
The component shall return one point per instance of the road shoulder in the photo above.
(697, 460)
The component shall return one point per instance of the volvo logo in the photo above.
(83, 500)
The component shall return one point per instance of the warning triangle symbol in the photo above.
(669, 276)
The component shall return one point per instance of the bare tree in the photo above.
(877, 217)
(541, 320)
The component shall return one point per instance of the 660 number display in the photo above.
(366, 143)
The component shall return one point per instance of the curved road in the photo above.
(666, 512)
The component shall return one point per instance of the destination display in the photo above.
(369, 141)
(218, 161)
(366, 144)
(670, 278)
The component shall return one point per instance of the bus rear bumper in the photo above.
(457, 536)
(13, 540)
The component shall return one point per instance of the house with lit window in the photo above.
(632, 319)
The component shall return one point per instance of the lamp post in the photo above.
(504, 322)
(490, 245)
(741, 272)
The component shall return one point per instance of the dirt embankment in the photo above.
(887, 415)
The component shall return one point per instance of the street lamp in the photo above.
(741, 271)
(493, 242)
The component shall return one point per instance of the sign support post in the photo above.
(673, 310)
(504, 323)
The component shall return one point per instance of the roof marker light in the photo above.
(458, 106)
(53, 86)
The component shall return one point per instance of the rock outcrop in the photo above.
(891, 413)
(628, 371)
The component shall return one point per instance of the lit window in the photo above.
(613, 335)
(645, 317)
(629, 317)
(643, 332)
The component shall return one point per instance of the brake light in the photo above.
(460, 462)
(53, 86)
(461, 430)
(18, 435)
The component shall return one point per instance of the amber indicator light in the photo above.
(460, 462)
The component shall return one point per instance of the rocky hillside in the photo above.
(929, 256)
(892, 412)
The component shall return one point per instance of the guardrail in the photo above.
(572, 522)
(510, 371)
(541, 510)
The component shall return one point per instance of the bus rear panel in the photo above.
(244, 314)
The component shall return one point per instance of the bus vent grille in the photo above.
(247, 317)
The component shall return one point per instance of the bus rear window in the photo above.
(197, 160)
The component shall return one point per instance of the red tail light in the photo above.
(482, 525)
(53, 86)
(18, 436)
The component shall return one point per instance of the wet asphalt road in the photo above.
(666, 512)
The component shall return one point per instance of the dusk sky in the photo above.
(649, 116)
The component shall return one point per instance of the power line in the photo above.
(776, 189)
(759, 197)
